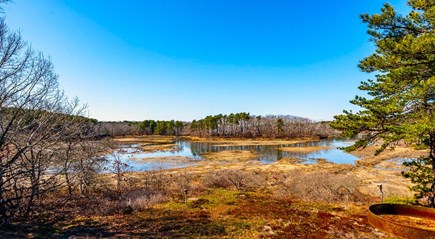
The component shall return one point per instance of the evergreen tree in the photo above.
(401, 98)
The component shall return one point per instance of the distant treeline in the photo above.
(239, 125)
(244, 125)
(159, 127)
(146, 127)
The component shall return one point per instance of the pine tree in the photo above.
(400, 105)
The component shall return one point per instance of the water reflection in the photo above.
(138, 160)
(273, 153)
(187, 153)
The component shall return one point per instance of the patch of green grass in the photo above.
(209, 216)
(204, 229)
(241, 225)
(214, 198)
(400, 200)
(44, 231)
(173, 206)
(221, 196)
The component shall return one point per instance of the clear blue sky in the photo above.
(184, 60)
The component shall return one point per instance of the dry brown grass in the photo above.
(231, 200)
(235, 199)
(289, 161)
(288, 174)
(159, 147)
(231, 155)
(219, 213)
(322, 185)
(368, 157)
(393, 183)
(150, 143)
(235, 179)
(168, 159)
(305, 149)
(153, 139)
(381, 169)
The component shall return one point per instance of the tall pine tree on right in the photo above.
(400, 102)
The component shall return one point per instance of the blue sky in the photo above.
(136, 60)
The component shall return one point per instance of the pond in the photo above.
(189, 153)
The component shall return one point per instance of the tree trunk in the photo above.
(68, 183)
(118, 180)
(66, 173)
(81, 180)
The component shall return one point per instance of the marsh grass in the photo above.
(215, 213)
(232, 200)
(305, 149)
(231, 155)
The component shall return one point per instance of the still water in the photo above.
(189, 153)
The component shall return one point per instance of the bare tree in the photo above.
(119, 166)
(37, 122)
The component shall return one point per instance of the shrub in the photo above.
(321, 186)
(238, 179)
